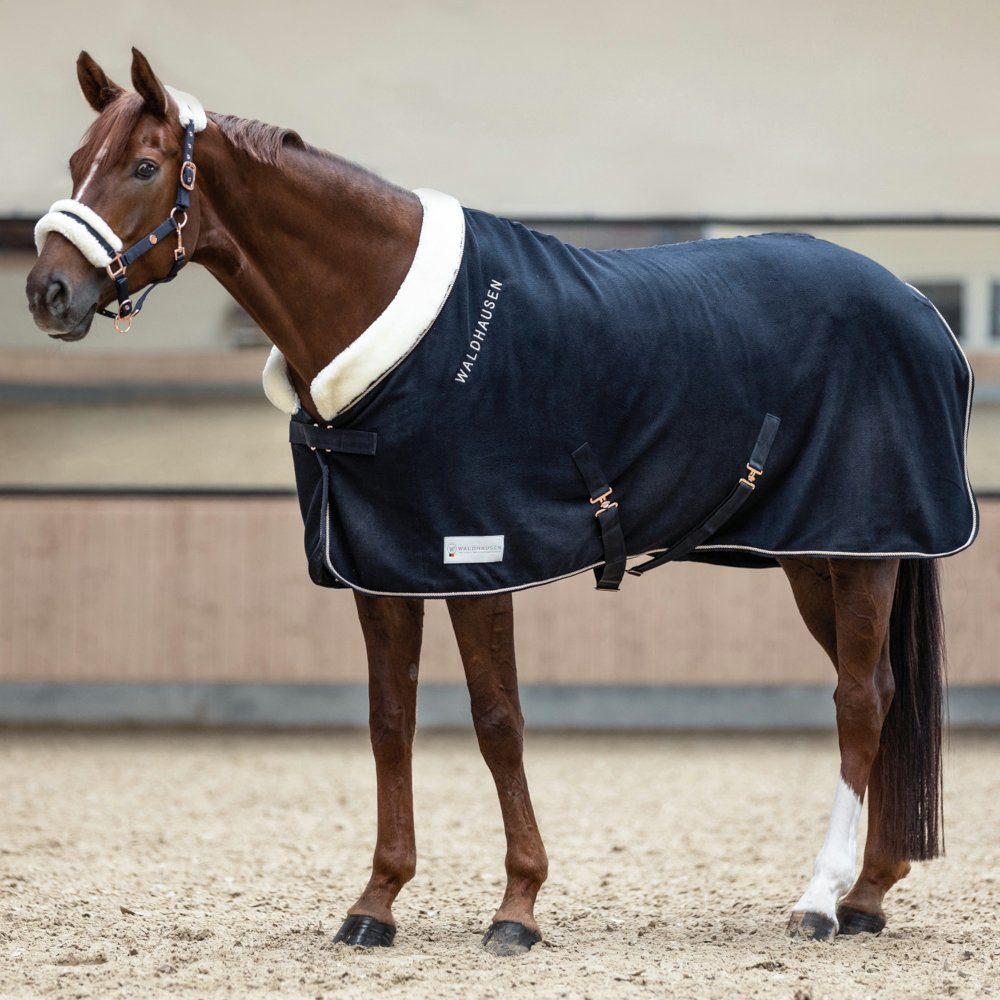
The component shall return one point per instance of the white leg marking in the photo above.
(78, 196)
(836, 863)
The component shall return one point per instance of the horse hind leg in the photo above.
(859, 593)
(860, 911)
(904, 789)
(484, 627)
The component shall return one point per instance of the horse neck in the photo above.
(313, 248)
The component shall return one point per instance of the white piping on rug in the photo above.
(836, 863)
(397, 331)
(968, 411)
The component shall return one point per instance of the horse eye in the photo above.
(145, 170)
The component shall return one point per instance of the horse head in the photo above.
(132, 176)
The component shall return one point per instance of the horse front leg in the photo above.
(484, 627)
(862, 597)
(393, 629)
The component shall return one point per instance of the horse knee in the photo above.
(499, 729)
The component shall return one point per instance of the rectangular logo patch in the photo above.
(473, 548)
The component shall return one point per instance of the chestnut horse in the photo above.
(314, 248)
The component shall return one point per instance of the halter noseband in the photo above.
(99, 243)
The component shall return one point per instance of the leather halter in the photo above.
(83, 216)
(174, 222)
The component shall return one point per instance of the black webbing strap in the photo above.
(609, 576)
(318, 438)
(134, 252)
(737, 497)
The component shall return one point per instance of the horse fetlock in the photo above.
(527, 869)
(393, 871)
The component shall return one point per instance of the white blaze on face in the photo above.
(102, 152)
(836, 863)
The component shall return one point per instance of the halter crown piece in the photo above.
(99, 243)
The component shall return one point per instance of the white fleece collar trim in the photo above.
(278, 383)
(397, 331)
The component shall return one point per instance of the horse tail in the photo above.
(909, 760)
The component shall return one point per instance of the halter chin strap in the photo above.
(102, 247)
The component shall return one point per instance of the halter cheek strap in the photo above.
(102, 247)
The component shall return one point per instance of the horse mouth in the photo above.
(79, 331)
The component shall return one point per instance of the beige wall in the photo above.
(571, 106)
(216, 589)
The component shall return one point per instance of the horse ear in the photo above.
(148, 86)
(97, 88)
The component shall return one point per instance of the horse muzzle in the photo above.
(62, 311)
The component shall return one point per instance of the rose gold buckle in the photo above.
(115, 275)
(603, 501)
(752, 474)
(128, 324)
(193, 167)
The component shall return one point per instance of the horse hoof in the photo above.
(858, 922)
(812, 926)
(508, 937)
(366, 932)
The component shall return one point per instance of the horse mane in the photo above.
(268, 143)
(261, 142)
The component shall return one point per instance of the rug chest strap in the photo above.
(348, 442)
(737, 497)
(609, 576)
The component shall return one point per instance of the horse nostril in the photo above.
(57, 296)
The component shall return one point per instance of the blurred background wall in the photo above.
(609, 125)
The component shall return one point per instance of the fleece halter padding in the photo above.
(102, 246)
(83, 227)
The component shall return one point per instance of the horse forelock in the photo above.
(109, 134)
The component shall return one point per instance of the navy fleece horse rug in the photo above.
(526, 410)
